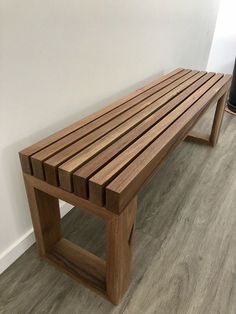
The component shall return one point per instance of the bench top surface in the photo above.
(107, 156)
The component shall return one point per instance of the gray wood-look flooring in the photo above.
(184, 249)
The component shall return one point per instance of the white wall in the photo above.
(62, 59)
(223, 50)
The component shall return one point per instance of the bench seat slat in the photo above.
(70, 145)
(110, 131)
(98, 182)
(29, 151)
(81, 176)
(104, 119)
(82, 157)
(129, 181)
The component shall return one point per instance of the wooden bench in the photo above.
(101, 162)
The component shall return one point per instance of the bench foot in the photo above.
(211, 139)
(109, 278)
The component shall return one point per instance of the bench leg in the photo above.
(218, 118)
(45, 215)
(119, 252)
(211, 139)
(111, 277)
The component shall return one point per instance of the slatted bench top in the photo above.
(107, 156)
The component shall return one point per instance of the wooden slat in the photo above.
(99, 126)
(129, 181)
(79, 159)
(29, 151)
(68, 167)
(69, 146)
(111, 131)
(81, 176)
(98, 182)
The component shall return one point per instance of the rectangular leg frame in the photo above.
(109, 278)
(211, 139)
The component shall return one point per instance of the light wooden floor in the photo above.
(185, 244)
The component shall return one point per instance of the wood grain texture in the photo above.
(120, 232)
(184, 248)
(104, 119)
(79, 264)
(45, 214)
(81, 176)
(71, 198)
(34, 148)
(107, 134)
(98, 182)
(61, 150)
(128, 182)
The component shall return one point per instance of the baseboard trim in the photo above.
(14, 251)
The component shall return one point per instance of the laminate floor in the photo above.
(184, 247)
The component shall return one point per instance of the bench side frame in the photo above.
(212, 138)
(108, 278)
